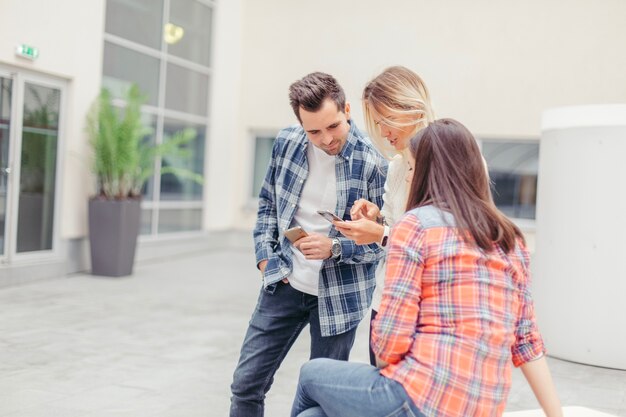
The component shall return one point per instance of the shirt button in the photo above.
(293, 205)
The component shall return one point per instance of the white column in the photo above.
(579, 271)
(224, 163)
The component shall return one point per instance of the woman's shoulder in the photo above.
(430, 216)
(522, 252)
(396, 164)
(396, 171)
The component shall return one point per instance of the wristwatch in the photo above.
(383, 242)
(335, 249)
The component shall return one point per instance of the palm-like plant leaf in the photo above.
(123, 160)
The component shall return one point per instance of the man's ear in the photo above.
(347, 110)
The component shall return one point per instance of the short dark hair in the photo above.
(311, 91)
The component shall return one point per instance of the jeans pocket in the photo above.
(403, 411)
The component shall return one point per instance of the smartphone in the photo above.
(295, 233)
(331, 217)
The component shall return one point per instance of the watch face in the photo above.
(336, 248)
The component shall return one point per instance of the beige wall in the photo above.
(494, 65)
(68, 34)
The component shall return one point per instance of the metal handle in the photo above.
(5, 171)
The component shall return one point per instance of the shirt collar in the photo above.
(351, 141)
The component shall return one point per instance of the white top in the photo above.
(318, 193)
(394, 205)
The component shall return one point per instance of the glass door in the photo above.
(6, 90)
(38, 166)
(30, 111)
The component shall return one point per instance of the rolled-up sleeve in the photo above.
(528, 344)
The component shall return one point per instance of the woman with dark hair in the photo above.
(456, 309)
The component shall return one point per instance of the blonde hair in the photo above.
(400, 91)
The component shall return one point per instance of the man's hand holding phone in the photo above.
(295, 233)
(315, 246)
(312, 246)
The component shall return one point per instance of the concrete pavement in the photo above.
(165, 341)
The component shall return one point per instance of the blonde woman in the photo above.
(396, 105)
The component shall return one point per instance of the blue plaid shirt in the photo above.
(346, 284)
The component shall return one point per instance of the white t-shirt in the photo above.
(318, 193)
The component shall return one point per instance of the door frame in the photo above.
(20, 77)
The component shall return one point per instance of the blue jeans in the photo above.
(275, 325)
(329, 388)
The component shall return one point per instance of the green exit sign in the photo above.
(27, 51)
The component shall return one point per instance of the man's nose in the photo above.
(328, 138)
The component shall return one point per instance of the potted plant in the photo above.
(123, 160)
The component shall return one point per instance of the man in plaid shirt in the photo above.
(323, 279)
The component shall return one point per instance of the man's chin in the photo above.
(333, 151)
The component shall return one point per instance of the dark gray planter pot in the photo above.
(113, 230)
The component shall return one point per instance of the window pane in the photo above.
(136, 20)
(122, 67)
(38, 168)
(177, 188)
(5, 99)
(195, 20)
(262, 154)
(186, 90)
(150, 120)
(179, 220)
(146, 222)
(513, 168)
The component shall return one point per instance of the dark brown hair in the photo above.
(311, 91)
(450, 173)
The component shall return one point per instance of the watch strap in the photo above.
(335, 249)
(385, 238)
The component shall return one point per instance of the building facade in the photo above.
(224, 67)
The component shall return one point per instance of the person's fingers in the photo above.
(358, 209)
(342, 226)
(359, 203)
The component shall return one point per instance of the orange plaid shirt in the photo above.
(454, 318)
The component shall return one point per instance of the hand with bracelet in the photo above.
(367, 225)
